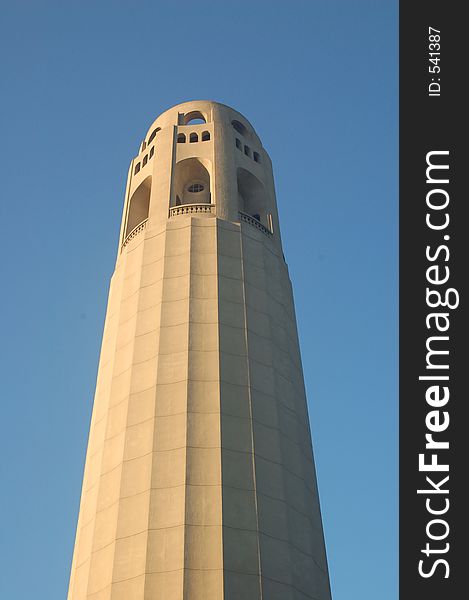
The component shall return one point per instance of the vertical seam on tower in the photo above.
(184, 570)
(250, 412)
(158, 354)
(220, 423)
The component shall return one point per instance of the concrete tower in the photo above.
(199, 481)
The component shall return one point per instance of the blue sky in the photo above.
(81, 82)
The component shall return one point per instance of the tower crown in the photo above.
(200, 158)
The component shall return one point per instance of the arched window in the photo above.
(205, 136)
(137, 168)
(247, 151)
(191, 182)
(239, 127)
(153, 134)
(139, 205)
(152, 151)
(252, 197)
(239, 145)
(181, 139)
(257, 157)
(145, 159)
(194, 117)
(193, 138)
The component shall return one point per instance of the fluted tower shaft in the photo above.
(199, 481)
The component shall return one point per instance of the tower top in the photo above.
(202, 111)
(204, 159)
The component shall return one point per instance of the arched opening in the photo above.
(247, 151)
(205, 136)
(145, 159)
(139, 206)
(181, 139)
(194, 117)
(193, 138)
(257, 157)
(153, 135)
(152, 151)
(239, 127)
(252, 198)
(137, 168)
(191, 183)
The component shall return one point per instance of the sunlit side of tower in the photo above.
(199, 481)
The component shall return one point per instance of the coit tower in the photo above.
(199, 480)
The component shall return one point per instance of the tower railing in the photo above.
(135, 231)
(189, 209)
(252, 221)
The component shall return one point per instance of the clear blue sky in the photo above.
(81, 83)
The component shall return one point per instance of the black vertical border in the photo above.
(427, 124)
